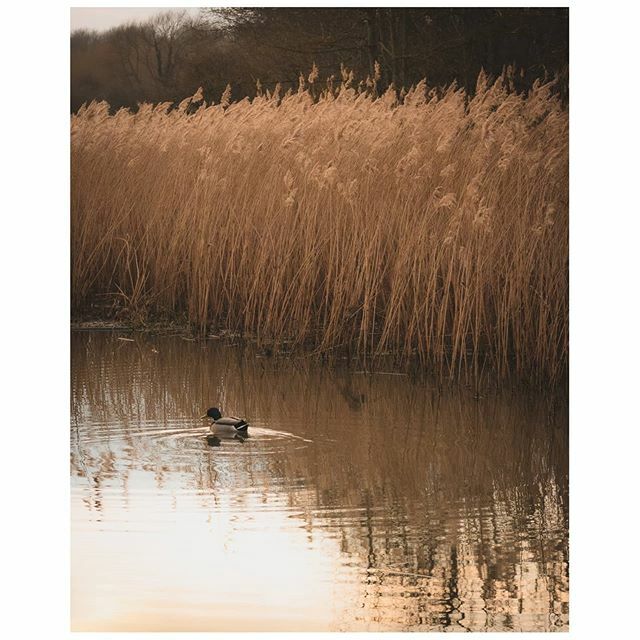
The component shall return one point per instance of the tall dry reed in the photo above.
(434, 227)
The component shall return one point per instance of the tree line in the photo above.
(169, 56)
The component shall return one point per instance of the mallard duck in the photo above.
(230, 424)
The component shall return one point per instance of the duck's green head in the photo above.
(213, 413)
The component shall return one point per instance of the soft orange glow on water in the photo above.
(358, 502)
(218, 567)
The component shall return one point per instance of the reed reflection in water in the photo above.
(359, 502)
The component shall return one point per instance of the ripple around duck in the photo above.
(258, 441)
(181, 433)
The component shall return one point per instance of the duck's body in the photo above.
(228, 424)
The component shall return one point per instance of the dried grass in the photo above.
(434, 227)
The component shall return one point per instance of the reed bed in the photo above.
(429, 224)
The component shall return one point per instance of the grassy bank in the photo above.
(434, 227)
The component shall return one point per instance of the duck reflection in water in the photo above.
(215, 440)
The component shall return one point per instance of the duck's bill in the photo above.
(204, 416)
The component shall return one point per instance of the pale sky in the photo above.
(106, 17)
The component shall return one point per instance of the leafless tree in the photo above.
(166, 36)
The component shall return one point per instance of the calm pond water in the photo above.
(359, 502)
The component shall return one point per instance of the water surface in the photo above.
(359, 502)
